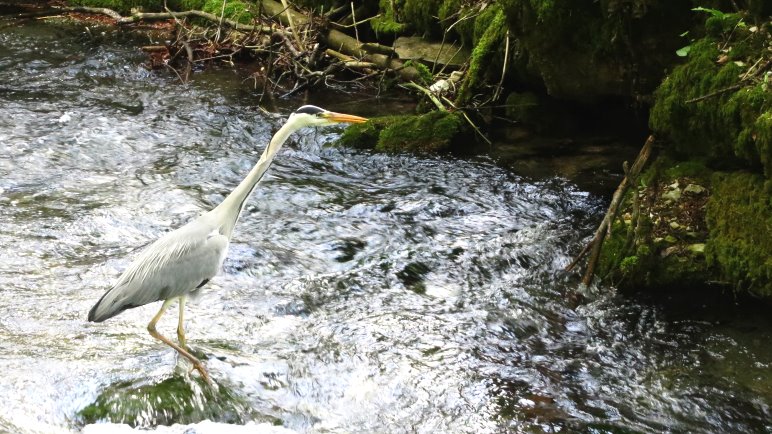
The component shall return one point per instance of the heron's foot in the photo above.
(198, 366)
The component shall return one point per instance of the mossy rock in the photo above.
(173, 400)
(428, 133)
(704, 109)
(739, 218)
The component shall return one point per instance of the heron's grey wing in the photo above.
(174, 265)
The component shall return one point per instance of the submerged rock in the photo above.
(205, 427)
(175, 399)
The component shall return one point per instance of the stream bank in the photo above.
(702, 71)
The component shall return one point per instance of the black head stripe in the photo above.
(309, 109)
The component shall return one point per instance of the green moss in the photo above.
(186, 5)
(424, 73)
(629, 265)
(387, 23)
(432, 132)
(689, 168)
(739, 218)
(364, 136)
(698, 109)
(235, 10)
(487, 45)
(173, 400)
(421, 15)
(762, 137)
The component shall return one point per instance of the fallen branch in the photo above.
(157, 16)
(344, 43)
(596, 242)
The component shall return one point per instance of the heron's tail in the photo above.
(110, 305)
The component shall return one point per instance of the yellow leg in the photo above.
(180, 327)
(154, 333)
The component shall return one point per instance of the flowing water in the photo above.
(362, 292)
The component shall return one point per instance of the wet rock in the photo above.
(205, 427)
(417, 48)
(412, 276)
(672, 194)
(176, 399)
(694, 189)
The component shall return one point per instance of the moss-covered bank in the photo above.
(717, 107)
(685, 226)
(739, 217)
(714, 116)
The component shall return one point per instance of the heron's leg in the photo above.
(154, 333)
(180, 327)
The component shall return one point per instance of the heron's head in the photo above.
(313, 116)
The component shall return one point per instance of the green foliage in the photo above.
(739, 218)
(628, 265)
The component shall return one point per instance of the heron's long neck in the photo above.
(231, 207)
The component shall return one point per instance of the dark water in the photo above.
(362, 293)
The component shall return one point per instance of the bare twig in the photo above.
(597, 240)
(292, 23)
(432, 97)
(354, 17)
(497, 92)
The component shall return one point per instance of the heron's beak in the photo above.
(342, 117)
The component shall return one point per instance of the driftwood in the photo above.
(341, 42)
(595, 244)
(364, 55)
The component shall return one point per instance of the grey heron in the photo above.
(184, 260)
